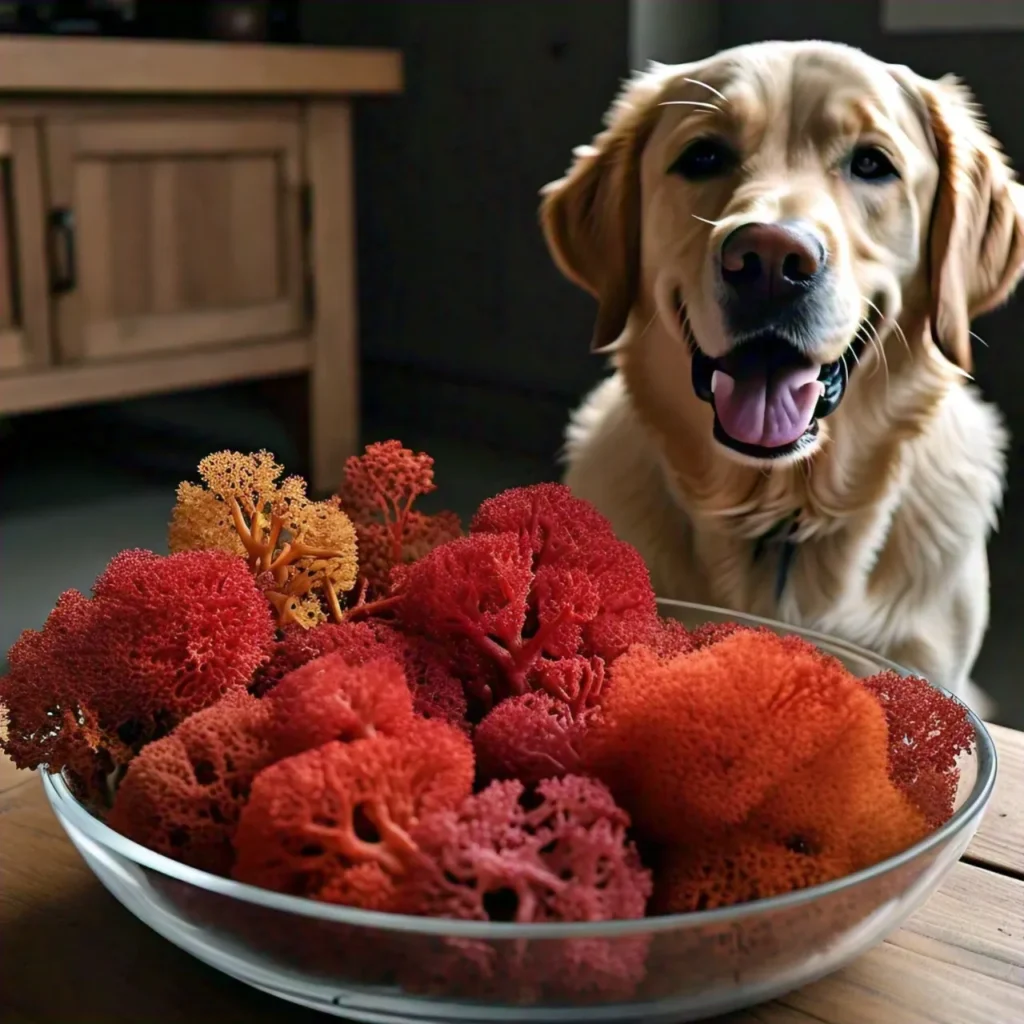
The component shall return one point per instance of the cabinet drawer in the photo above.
(24, 299)
(174, 232)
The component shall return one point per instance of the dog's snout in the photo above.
(772, 261)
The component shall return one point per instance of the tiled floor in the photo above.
(73, 491)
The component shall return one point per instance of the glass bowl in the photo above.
(386, 968)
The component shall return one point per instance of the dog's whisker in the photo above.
(687, 327)
(873, 338)
(690, 103)
(877, 343)
(868, 302)
(650, 324)
(977, 337)
(900, 333)
(705, 220)
(710, 88)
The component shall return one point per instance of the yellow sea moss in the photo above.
(303, 551)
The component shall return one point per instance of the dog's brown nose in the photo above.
(772, 261)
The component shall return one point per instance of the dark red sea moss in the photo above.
(357, 642)
(927, 733)
(556, 852)
(183, 794)
(530, 738)
(436, 693)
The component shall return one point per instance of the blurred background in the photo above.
(470, 345)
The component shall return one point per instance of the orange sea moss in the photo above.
(302, 551)
(758, 764)
(700, 739)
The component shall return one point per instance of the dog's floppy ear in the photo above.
(976, 241)
(591, 217)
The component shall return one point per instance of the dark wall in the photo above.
(455, 279)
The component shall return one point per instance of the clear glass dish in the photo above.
(386, 968)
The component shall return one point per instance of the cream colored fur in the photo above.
(898, 500)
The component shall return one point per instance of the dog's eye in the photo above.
(704, 158)
(869, 163)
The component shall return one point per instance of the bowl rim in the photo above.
(71, 812)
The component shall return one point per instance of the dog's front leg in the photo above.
(943, 640)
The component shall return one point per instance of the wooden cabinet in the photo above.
(152, 244)
(177, 229)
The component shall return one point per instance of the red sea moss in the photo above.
(927, 733)
(556, 852)
(710, 633)
(163, 637)
(182, 795)
(357, 642)
(530, 738)
(559, 529)
(559, 852)
(539, 597)
(329, 699)
(333, 823)
(436, 693)
(479, 599)
(378, 492)
(511, 620)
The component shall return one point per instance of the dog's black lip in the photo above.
(835, 376)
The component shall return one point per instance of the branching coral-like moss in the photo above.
(379, 490)
(303, 551)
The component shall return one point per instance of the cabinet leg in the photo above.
(334, 376)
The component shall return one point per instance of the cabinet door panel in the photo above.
(24, 291)
(187, 233)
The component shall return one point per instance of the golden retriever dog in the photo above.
(787, 243)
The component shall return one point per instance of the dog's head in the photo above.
(782, 209)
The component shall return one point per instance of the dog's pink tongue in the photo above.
(770, 412)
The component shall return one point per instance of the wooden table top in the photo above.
(70, 954)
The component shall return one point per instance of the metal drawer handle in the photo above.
(65, 260)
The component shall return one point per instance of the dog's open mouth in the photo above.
(767, 396)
